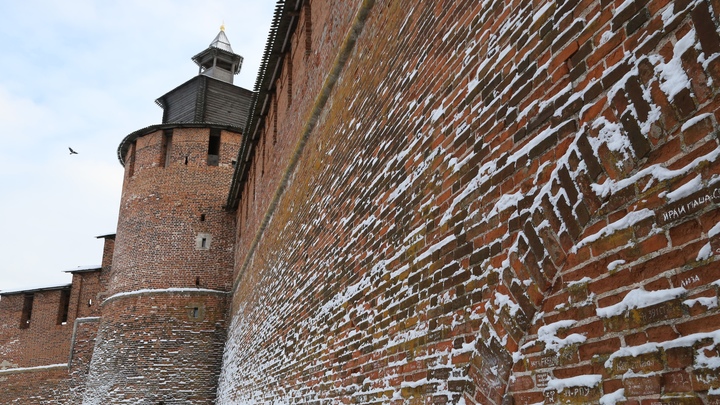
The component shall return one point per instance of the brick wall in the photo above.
(162, 327)
(43, 341)
(34, 387)
(508, 202)
(34, 361)
(155, 347)
(166, 207)
(82, 347)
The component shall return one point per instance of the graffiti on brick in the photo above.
(687, 207)
(541, 379)
(692, 279)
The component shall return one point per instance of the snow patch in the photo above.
(588, 381)
(707, 302)
(627, 221)
(613, 397)
(639, 298)
(548, 335)
(685, 190)
(614, 264)
(672, 73)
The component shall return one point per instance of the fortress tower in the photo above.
(162, 329)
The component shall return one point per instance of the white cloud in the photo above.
(84, 74)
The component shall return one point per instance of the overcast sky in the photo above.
(84, 74)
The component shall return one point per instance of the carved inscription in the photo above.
(643, 363)
(660, 312)
(584, 395)
(690, 280)
(641, 386)
(546, 361)
(655, 314)
(541, 379)
(690, 206)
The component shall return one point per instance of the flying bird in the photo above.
(72, 152)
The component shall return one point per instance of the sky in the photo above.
(84, 74)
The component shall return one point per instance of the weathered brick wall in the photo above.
(82, 347)
(43, 342)
(34, 387)
(34, 361)
(153, 347)
(164, 209)
(88, 290)
(289, 108)
(509, 201)
(162, 325)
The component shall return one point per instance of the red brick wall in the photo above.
(152, 347)
(82, 347)
(25, 354)
(86, 294)
(162, 326)
(500, 201)
(287, 115)
(35, 387)
(43, 342)
(164, 209)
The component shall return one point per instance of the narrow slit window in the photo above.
(308, 29)
(64, 306)
(289, 80)
(130, 159)
(27, 311)
(275, 118)
(166, 148)
(214, 148)
(203, 241)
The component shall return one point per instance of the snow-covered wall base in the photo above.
(157, 347)
(501, 202)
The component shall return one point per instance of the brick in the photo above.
(599, 348)
(624, 15)
(637, 21)
(635, 93)
(594, 168)
(639, 386)
(639, 142)
(706, 29)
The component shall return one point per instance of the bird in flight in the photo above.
(72, 152)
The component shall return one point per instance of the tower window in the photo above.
(64, 306)
(202, 217)
(195, 311)
(202, 241)
(166, 147)
(26, 311)
(130, 159)
(214, 148)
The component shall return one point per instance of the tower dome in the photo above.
(210, 97)
(218, 60)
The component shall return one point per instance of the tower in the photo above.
(162, 329)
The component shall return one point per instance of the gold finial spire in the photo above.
(222, 27)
